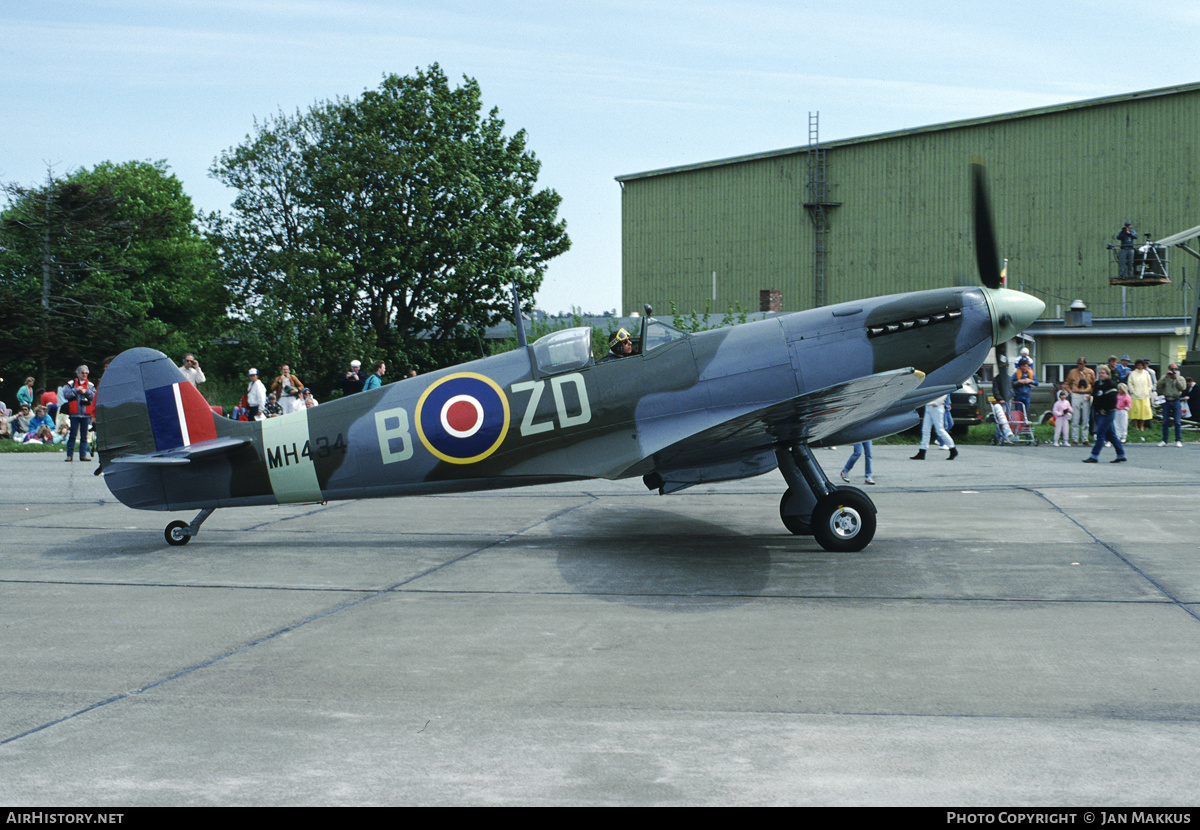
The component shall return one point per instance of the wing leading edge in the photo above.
(745, 445)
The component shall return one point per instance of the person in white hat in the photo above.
(256, 396)
(354, 379)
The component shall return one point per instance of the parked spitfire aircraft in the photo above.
(684, 409)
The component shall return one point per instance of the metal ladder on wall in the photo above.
(817, 205)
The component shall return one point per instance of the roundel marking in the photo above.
(462, 418)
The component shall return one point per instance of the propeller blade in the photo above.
(985, 234)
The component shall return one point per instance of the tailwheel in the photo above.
(177, 533)
(844, 520)
(180, 533)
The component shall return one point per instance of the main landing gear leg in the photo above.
(841, 519)
(180, 533)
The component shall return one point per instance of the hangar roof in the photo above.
(949, 125)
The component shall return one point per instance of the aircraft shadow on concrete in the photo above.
(658, 559)
(109, 544)
(224, 542)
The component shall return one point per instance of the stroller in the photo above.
(1012, 425)
(1018, 420)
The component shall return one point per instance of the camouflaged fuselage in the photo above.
(689, 407)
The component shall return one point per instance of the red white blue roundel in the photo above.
(462, 418)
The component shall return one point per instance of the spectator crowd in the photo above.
(58, 416)
(1117, 395)
(64, 414)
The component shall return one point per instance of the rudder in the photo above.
(145, 409)
(136, 406)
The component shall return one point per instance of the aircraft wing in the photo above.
(806, 418)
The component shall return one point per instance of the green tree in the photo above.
(389, 226)
(100, 261)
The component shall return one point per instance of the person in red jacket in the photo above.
(80, 395)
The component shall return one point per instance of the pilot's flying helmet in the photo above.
(619, 336)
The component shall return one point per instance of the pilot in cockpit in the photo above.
(620, 345)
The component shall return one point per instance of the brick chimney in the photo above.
(769, 299)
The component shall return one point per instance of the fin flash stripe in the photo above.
(179, 416)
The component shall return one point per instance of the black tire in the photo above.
(844, 521)
(176, 534)
(794, 524)
(861, 494)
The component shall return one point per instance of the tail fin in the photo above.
(151, 419)
(145, 405)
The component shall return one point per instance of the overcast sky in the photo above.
(603, 88)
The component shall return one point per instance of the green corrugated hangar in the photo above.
(832, 222)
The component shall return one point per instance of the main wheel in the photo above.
(844, 520)
(794, 524)
(177, 534)
(861, 494)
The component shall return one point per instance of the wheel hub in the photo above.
(845, 522)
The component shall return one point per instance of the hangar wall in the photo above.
(1063, 179)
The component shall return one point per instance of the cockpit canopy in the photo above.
(571, 349)
(658, 333)
(563, 351)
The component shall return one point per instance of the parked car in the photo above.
(967, 406)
